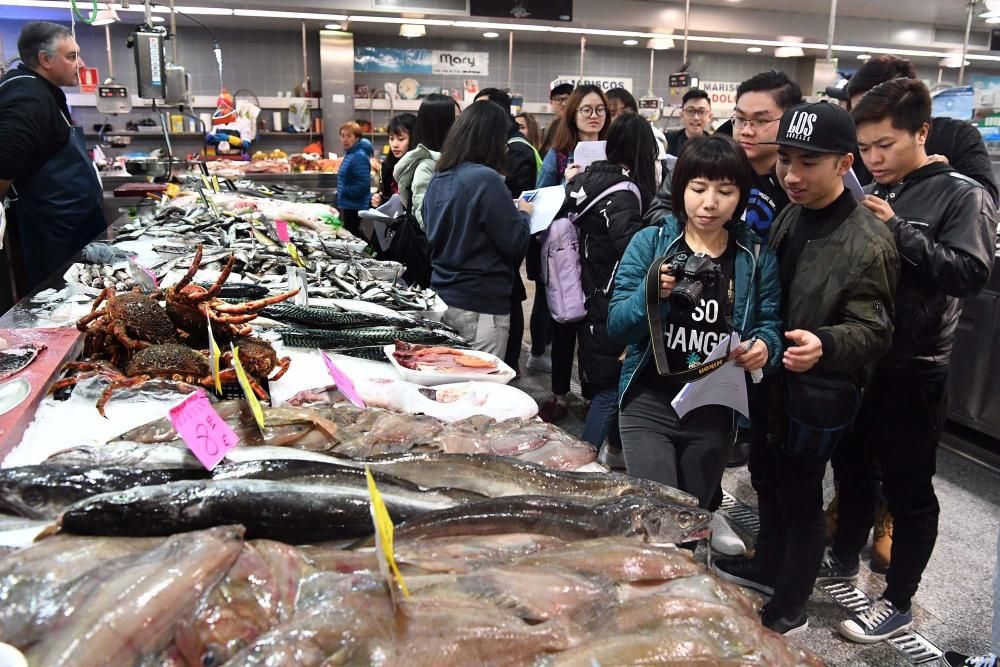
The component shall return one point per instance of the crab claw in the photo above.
(183, 282)
(253, 306)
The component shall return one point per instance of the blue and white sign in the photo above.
(420, 61)
(953, 103)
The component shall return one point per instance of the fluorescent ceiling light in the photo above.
(595, 31)
(205, 11)
(953, 62)
(630, 42)
(157, 19)
(864, 56)
(484, 25)
(660, 43)
(789, 52)
(753, 49)
(409, 30)
(491, 35)
(398, 20)
(267, 13)
(336, 27)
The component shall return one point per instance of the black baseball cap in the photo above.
(818, 127)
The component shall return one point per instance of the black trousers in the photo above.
(789, 490)
(352, 221)
(541, 321)
(512, 355)
(895, 437)
(563, 349)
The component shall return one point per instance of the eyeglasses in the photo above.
(755, 123)
(592, 111)
(559, 101)
(695, 112)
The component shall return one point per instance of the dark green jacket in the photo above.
(843, 291)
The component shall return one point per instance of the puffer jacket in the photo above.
(945, 229)
(756, 311)
(413, 174)
(605, 232)
(354, 178)
(843, 291)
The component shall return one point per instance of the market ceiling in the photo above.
(930, 29)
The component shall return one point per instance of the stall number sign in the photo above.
(602, 82)
(722, 95)
(88, 80)
(460, 62)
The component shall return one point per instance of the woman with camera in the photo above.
(716, 277)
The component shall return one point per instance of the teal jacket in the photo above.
(756, 311)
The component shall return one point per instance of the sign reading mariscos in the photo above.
(420, 61)
(602, 82)
(722, 95)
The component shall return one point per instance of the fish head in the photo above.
(661, 521)
(24, 493)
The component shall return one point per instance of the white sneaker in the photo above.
(724, 539)
(541, 363)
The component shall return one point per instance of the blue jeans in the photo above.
(602, 416)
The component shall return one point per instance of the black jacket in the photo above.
(945, 230)
(32, 130)
(521, 164)
(605, 232)
(958, 141)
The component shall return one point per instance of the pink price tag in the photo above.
(201, 428)
(282, 228)
(343, 382)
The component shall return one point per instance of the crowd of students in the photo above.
(847, 306)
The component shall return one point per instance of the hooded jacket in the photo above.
(605, 232)
(945, 228)
(413, 173)
(354, 178)
(756, 311)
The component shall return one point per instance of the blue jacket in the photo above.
(550, 174)
(354, 179)
(478, 238)
(755, 313)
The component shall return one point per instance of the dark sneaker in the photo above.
(553, 411)
(956, 659)
(784, 624)
(831, 569)
(878, 623)
(742, 571)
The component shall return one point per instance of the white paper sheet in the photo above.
(726, 386)
(852, 183)
(547, 202)
(588, 152)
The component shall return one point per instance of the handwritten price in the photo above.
(201, 428)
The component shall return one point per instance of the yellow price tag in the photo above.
(215, 183)
(204, 180)
(213, 356)
(294, 252)
(383, 538)
(241, 376)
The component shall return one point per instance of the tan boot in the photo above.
(831, 520)
(882, 540)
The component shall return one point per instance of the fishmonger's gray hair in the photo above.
(40, 36)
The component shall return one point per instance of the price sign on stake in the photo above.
(343, 382)
(241, 376)
(282, 228)
(294, 252)
(383, 541)
(213, 356)
(201, 428)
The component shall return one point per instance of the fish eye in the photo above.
(33, 497)
(685, 519)
(210, 658)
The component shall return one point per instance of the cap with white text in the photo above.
(817, 127)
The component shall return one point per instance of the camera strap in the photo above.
(655, 321)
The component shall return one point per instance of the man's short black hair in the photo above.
(39, 36)
(625, 97)
(496, 95)
(561, 89)
(879, 70)
(906, 101)
(786, 93)
(696, 94)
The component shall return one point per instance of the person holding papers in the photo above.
(712, 181)
(839, 268)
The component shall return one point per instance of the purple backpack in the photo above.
(561, 270)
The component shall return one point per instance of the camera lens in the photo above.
(686, 295)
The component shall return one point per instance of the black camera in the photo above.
(694, 272)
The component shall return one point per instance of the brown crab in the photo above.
(258, 358)
(127, 322)
(189, 304)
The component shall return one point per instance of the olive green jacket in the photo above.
(413, 173)
(843, 291)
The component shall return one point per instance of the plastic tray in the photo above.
(503, 375)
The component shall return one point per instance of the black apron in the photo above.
(59, 209)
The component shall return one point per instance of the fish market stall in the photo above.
(258, 447)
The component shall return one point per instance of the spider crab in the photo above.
(125, 324)
(188, 304)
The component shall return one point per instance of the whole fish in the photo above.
(617, 559)
(655, 520)
(43, 491)
(127, 454)
(287, 511)
(134, 614)
(325, 317)
(497, 476)
(325, 339)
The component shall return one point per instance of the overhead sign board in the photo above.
(602, 82)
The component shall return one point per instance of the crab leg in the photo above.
(191, 271)
(135, 382)
(253, 306)
(228, 375)
(283, 364)
(217, 287)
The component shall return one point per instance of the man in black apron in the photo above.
(45, 169)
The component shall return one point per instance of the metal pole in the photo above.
(829, 32)
(965, 44)
(652, 55)
(510, 61)
(583, 49)
(173, 30)
(305, 61)
(687, 20)
(107, 46)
